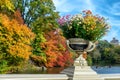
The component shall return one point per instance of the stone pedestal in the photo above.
(80, 61)
(84, 72)
(81, 70)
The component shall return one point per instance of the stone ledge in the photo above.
(110, 76)
(33, 77)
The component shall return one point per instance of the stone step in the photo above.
(81, 73)
(33, 77)
(71, 68)
(69, 74)
(82, 76)
(79, 77)
(85, 73)
(83, 69)
(87, 79)
(68, 71)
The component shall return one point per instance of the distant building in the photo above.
(114, 41)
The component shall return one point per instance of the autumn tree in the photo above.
(40, 16)
(15, 40)
(56, 50)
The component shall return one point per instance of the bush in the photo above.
(3, 66)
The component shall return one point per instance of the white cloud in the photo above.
(78, 5)
(114, 31)
(111, 34)
(115, 9)
(59, 2)
(89, 5)
(61, 5)
(115, 23)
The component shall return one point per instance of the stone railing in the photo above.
(33, 77)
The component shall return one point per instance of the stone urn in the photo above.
(80, 46)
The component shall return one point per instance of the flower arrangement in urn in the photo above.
(84, 25)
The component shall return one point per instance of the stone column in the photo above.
(82, 71)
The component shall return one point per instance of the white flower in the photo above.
(77, 17)
(79, 22)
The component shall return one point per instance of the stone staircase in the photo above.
(69, 72)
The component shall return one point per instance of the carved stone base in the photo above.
(82, 71)
(80, 61)
(85, 73)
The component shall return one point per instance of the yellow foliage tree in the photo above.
(15, 41)
(6, 4)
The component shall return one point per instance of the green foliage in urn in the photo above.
(85, 25)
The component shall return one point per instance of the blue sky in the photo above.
(107, 8)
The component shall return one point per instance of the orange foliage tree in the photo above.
(56, 50)
(15, 40)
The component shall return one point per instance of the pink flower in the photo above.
(63, 20)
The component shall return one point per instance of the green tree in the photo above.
(108, 53)
(96, 56)
(37, 12)
(109, 56)
(6, 5)
(103, 44)
(40, 16)
(117, 57)
(44, 22)
(89, 60)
